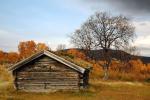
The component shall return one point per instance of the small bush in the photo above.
(4, 74)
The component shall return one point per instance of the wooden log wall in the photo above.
(46, 73)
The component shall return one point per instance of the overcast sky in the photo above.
(51, 21)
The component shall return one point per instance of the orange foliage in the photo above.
(76, 53)
(13, 57)
(26, 48)
(42, 46)
(134, 70)
(139, 67)
(10, 57)
(1, 56)
(136, 65)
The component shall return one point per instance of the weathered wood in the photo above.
(73, 74)
(47, 86)
(47, 80)
(46, 73)
(50, 84)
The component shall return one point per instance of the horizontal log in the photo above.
(45, 61)
(48, 72)
(24, 72)
(62, 87)
(48, 75)
(47, 86)
(33, 88)
(47, 80)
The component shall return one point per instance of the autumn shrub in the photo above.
(134, 70)
(97, 71)
(4, 74)
(76, 53)
(114, 75)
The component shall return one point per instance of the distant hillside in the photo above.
(145, 59)
(117, 54)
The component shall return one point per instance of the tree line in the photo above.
(25, 49)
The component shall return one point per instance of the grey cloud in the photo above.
(133, 6)
(127, 6)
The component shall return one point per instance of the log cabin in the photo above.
(45, 71)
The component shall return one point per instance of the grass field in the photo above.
(98, 90)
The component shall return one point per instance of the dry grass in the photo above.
(98, 90)
(4, 74)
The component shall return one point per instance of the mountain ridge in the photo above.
(117, 54)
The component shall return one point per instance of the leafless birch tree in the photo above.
(104, 31)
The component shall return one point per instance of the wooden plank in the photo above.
(47, 80)
(48, 73)
(31, 86)
(27, 75)
(47, 77)
(23, 72)
(46, 86)
(50, 84)
(61, 87)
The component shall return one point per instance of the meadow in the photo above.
(97, 90)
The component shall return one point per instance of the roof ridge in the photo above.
(51, 55)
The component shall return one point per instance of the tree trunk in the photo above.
(106, 74)
(107, 57)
